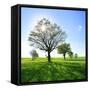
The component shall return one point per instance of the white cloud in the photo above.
(79, 27)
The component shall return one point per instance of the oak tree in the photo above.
(46, 36)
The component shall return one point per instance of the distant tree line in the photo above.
(66, 49)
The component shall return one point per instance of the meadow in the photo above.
(59, 69)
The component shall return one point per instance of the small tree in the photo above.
(70, 54)
(76, 55)
(63, 49)
(34, 54)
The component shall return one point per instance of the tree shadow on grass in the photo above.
(49, 72)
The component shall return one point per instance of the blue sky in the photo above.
(70, 21)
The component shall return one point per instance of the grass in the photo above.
(40, 70)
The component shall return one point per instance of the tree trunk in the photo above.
(64, 56)
(49, 57)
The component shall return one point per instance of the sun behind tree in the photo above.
(46, 36)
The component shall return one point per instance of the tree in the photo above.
(70, 53)
(63, 49)
(34, 54)
(76, 55)
(46, 36)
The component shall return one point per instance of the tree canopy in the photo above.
(76, 55)
(34, 54)
(63, 49)
(70, 53)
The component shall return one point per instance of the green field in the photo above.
(40, 70)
